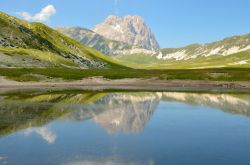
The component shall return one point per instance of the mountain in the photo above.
(34, 45)
(94, 40)
(224, 47)
(129, 29)
(24, 44)
(229, 52)
(116, 36)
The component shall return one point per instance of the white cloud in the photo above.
(44, 132)
(43, 16)
(2, 158)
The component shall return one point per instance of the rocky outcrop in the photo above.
(129, 29)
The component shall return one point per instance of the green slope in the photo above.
(230, 52)
(241, 41)
(20, 57)
(34, 37)
(238, 60)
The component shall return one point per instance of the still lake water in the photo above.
(124, 128)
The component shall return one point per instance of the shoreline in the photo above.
(96, 83)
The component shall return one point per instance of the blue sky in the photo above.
(175, 23)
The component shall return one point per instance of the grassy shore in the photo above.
(37, 74)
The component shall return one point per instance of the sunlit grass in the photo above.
(223, 74)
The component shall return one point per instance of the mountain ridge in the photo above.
(94, 40)
(230, 52)
(225, 47)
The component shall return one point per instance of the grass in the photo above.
(51, 58)
(222, 74)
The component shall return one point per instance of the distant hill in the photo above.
(94, 40)
(224, 47)
(230, 52)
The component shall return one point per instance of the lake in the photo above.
(124, 128)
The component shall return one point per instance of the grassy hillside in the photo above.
(37, 38)
(237, 60)
(20, 57)
(232, 52)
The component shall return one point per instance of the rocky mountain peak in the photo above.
(112, 18)
(129, 29)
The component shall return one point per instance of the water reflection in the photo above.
(2, 158)
(231, 103)
(116, 128)
(120, 112)
(124, 112)
(108, 161)
(44, 132)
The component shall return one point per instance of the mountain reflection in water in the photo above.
(116, 112)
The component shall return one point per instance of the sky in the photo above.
(175, 23)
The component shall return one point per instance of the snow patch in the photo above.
(117, 28)
(241, 63)
(232, 50)
(159, 56)
(246, 48)
(183, 54)
(180, 55)
(134, 51)
(214, 51)
(235, 49)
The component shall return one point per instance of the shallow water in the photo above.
(134, 128)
